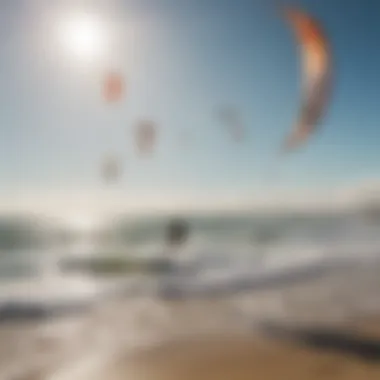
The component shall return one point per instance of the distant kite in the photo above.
(231, 119)
(145, 136)
(113, 87)
(111, 169)
(316, 62)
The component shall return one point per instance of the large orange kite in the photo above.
(316, 77)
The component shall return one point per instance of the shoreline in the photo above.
(81, 355)
(60, 348)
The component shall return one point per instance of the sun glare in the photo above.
(83, 35)
(81, 223)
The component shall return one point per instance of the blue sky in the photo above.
(181, 60)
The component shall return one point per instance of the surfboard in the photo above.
(116, 265)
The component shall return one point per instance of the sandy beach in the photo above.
(239, 357)
(312, 330)
(111, 343)
(346, 351)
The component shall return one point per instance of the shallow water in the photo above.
(224, 251)
(76, 346)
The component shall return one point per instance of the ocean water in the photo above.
(46, 265)
(292, 268)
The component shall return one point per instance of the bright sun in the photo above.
(83, 36)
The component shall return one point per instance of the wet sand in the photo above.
(223, 338)
(177, 347)
(243, 356)
(202, 340)
(240, 358)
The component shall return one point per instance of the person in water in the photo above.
(177, 232)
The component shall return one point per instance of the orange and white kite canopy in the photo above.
(316, 74)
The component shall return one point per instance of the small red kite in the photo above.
(113, 87)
